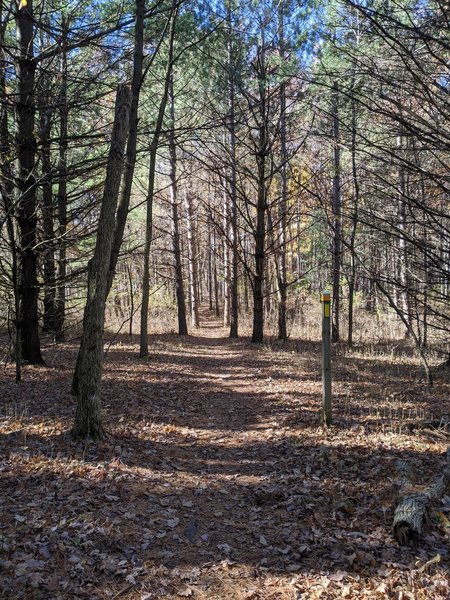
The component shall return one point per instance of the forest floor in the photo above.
(216, 480)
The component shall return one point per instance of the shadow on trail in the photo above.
(213, 455)
(277, 506)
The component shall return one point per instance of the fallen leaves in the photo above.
(216, 487)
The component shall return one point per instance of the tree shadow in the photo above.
(277, 507)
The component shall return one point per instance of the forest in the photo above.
(180, 182)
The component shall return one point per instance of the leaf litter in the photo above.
(216, 480)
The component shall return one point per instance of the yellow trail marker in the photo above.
(326, 358)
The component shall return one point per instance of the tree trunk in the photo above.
(402, 249)
(226, 257)
(61, 264)
(210, 268)
(215, 277)
(337, 225)
(260, 240)
(7, 194)
(234, 266)
(261, 208)
(130, 159)
(88, 423)
(50, 311)
(282, 208)
(412, 507)
(26, 184)
(131, 299)
(193, 261)
(352, 275)
(143, 337)
(176, 242)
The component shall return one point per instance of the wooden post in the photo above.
(326, 357)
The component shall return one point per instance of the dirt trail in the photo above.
(215, 481)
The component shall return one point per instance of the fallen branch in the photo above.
(442, 424)
(412, 508)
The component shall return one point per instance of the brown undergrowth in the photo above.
(216, 480)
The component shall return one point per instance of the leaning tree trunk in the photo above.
(88, 423)
(26, 184)
(130, 157)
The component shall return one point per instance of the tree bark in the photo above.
(193, 261)
(7, 194)
(26, 186)
(337, 224)
(356, 194)
(282, 217)
(402, 249)
(226, 257)
(50, 312)
(143, 338)
(88, 422)
(412, 508)
(234, 266)
(261, 209)
(176, 242)
(61, 263)
(130, 160)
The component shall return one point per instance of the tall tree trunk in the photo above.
(282, 217)
(130, 160)
(226, 257)
(337, 224)
(143, 338)
(215, 276)
(352, 274)
(124, 202)
(193, 261)
(26, 184)
(261, 206)
(234, 266)
(88, 422)
(131, 299)
(176, 242)
(402, 249)
(258, 280)
(50, 311)
(7, 194)
(61, 264)
(210, 268)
